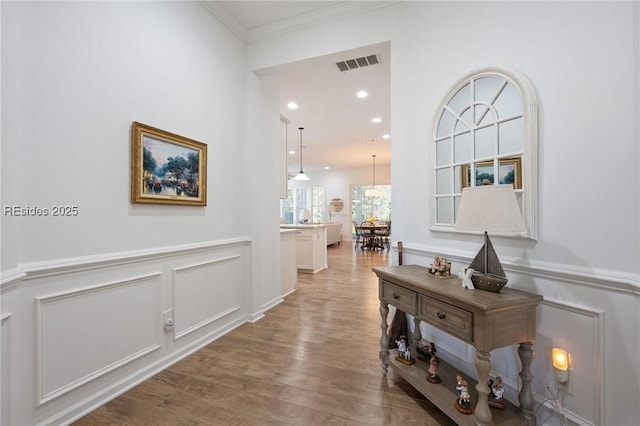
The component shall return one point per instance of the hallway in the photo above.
(312, 360)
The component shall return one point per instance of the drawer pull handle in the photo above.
(396, 295)
(441, 315)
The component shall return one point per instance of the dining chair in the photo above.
(385, 235)
(358, 235)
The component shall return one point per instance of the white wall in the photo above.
(84, 297)
(582, 59)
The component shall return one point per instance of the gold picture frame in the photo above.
(509, 171)
(167, 168)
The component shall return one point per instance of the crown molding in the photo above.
(316, 17)
(226, 18)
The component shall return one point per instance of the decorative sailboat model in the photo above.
(487, 271)
(490, 208)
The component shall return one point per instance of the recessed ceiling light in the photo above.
(362, 94)
(292, 105)
(387, 136)
(327, 167)
(292, 152)
(376, 120)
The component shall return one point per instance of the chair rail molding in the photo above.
(32, 270)
(603, 279)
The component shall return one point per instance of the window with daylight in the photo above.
(303, 205)
(485, 133)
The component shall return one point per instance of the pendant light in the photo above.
(301, 176)
(373, 192)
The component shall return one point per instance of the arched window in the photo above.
(485, 132)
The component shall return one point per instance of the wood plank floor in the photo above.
(313, 360)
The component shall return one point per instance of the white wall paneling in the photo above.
(205, 292)
(5, 368)
(90, 328)
(579, 331)
(85, 333)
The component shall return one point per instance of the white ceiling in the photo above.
(338, 131)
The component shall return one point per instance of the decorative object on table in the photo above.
(432, 349)
(305, 216)
(404, 354)
(489, 208)
(440, 267)
(301, 176)
(423, 353)
(398, 328)
(463, 402)
(496, 390)
(167, 168)
(465, 276)
(433, 377)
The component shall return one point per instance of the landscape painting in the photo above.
(167, 168)
(509, 172)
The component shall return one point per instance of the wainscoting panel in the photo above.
(84, 333)
(5, 368)
(579, 331)
(205, 292)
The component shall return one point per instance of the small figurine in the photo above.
(432, 349)
(404, 354)
(495, 396)
(433, 369)
(440, 267)
(423, 353)
(463, 402)
(465, 276)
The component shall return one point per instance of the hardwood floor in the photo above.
(313, 360)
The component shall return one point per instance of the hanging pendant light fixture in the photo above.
(373, 192)
(301, 176)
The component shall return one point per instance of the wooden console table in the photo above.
(485, 320)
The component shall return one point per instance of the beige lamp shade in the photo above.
(490, 208)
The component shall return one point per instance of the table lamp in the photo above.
(305, 215)
(494, 209)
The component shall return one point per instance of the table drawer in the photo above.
(399, 297)
(447, 317)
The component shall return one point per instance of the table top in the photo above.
(372, 227)
(418, 278)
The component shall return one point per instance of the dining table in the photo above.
(371, 236)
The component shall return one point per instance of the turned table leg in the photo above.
(483, 366)
(384, 338)
(417, 334)
(526, 399)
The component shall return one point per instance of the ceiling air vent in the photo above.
(364, 61)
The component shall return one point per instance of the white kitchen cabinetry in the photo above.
(311, 247)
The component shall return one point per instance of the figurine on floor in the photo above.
(497, 390)
(404, 354)
(433, 369)
(463, 403)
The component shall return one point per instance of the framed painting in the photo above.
(509, 172)
(167, 168)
